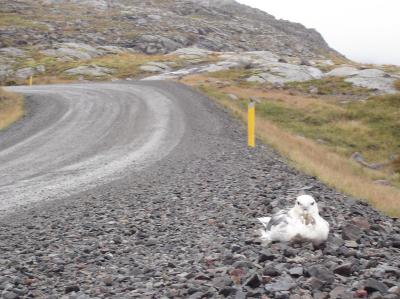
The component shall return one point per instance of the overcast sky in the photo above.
(363, 30)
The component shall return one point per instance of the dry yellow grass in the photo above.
(397, 84)
(331, 168)
(11, 108)
(313, 158)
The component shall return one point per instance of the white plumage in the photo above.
(302, 222)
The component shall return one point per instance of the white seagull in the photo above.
(302, 222)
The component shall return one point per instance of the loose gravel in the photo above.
(186, 227)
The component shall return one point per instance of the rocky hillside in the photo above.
(157, 26)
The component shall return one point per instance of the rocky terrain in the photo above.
(155, 26)
(65, 39)
(186, 228)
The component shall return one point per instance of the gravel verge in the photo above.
(185, 227)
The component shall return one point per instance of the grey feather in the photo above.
(277, 219)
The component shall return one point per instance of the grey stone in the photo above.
(322, 273)
(191, 53)
(373, 285)
(12, 52)
(351, 232)
(343, 71)
(296, 271)
(90, 70)
(155, 67)
(24, 73)
(283, 284)
(345, 269)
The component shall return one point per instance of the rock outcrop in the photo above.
(157, 26)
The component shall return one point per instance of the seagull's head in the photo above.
(306, 205)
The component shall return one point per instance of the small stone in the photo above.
(315, 283)
(338, 293)
(361, 222)
(351, 232)
(373, 285)
(321, 295)
(361, 294)
(284, 284)
(322, 273)
(351, 244)
(227, 291)
(253, 282)
(117, 239)
(394, 290)
(266, 256)
(271, 271)
(296, 271)
(108, 281)
(344, 269)
(71, 288)
(9, 295)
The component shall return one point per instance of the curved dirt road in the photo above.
(84, 135)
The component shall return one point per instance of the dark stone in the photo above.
(253, 281)
(266, 255)
(227, 291)
(72, 288)
(372, 285)
(344, 269)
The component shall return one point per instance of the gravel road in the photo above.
(82, 136)
(173, 220)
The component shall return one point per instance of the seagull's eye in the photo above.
(312, 203)
(298, 203)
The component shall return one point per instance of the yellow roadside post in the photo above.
(30, 80)
(251, 119)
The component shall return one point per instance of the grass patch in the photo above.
(328, 86)
(11, 108)
(318, 136)
(125, 65)
(397, 84)
(12, 20)
(128, 65)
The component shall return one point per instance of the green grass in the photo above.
(370, 127)
(329, 86)
(11, 20)
(232, 74)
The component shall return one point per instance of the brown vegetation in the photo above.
(11, 108)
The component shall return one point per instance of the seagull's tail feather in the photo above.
(264, 234)
(264, 221)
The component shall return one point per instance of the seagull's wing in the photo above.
(278, 219)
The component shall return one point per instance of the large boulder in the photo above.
(73, 51)
(26, 72)
(156, 44)
(281, 73)
(12, 52)
(5, 71)
(191, 53)
(343, 71)
(374, 79)
(90, 70)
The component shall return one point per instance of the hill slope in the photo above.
(155, 26)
